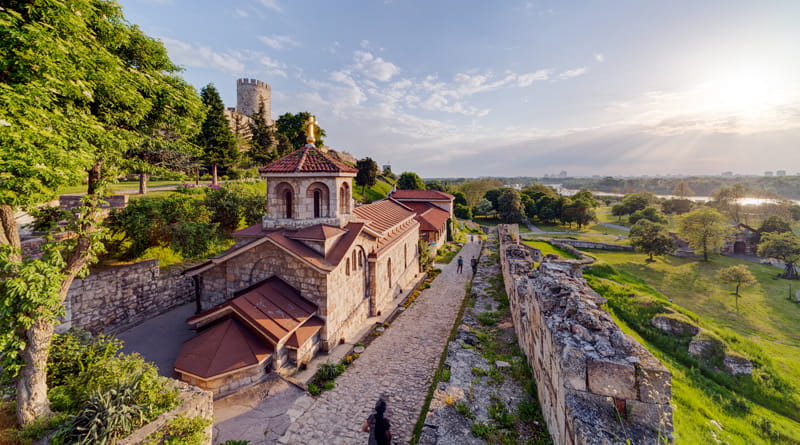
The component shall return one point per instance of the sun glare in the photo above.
(747, 92)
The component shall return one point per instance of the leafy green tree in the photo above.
(738, 275)
(783, 246)
(291, 132)
(463, 212)
(410, 181)
(216, 137)
(387, 173)
(509, 206)
(578, 211)
(367, 175)
(676, 206)
(78, 91)
(476, 190)
(774, 224)
(550, 208)
(682, 190)
(637, 201)
(704, 229)
(434, 185)
(483, 208)
(651, 238)
(263, 138)
(493, 196)
(536, 191)
(726, 200)
(649, 213)
(460, 198)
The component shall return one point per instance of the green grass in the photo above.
(547, 248)
(447, 252)
(766, 330)
(374, 193)
(124, 185)
(492, 222)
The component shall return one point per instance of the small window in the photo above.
(347, 267)
(355, 264)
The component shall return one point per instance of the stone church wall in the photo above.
(119, 297)
(595, 384)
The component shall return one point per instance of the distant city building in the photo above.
(563, 174)
(727, 174)
(768, 173)
(780, 173)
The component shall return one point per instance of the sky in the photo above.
(463, 88)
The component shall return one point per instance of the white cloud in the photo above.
(271, 4)
(365, 44)
(527, 79)
(241, 13)
(569, 74)
(599, 57)
(279, 42)
(375, 67)
(189, 55)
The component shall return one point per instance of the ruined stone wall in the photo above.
(592, 245)
(194, 402)
(116, 298)
(596, 385)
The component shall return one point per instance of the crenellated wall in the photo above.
(596, 384)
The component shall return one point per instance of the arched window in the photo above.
(360, 259)
(344, 199)
(287, 199)
(347, 267)
(317, 203)
(355, 263)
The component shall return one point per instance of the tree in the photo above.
(676, 206)
(783, 246)
(460, 198)
(493, 196)
(79, 90)
(410, 181)
(476, 189)
(649, 213)
(483, 208)
(774, 224)
(434, 185)
(637, 201)
(263, 138)
(216, 137)
(579, 212)
(726, 199)
(367, 175)
(651, 238)
(738, 275)
(291, 132)
(704, 229)
(463, 212)
(682, 190)
(387, 172)
(509, 206)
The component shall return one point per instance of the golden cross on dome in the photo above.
(312, 121)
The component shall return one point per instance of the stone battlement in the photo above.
(596, 385)
(254, 82)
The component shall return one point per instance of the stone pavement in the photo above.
(398, 365)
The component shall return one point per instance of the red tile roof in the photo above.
(254, 231)
(307, 160)
(223, 348)
(304, 332)
(433, 219)
(384, 215)
(429, 195)
(317, 232)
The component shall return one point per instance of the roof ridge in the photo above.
(302, 159)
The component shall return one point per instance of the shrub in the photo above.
(74, 351)
(313, 389)
(231, 203)
(46, 218)
(182, 431)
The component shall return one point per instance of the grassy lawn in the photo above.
(447, 252)
(765, 329)
(547, 248)
(374, 193)
(492, 222)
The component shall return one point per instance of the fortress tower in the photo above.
(250, 93)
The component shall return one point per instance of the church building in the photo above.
(304, 280)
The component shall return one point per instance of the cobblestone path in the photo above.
(398, 365)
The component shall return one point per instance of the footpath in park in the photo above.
(399, 365)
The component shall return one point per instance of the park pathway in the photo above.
(398, 365)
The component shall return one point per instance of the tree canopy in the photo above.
(263, 138)
(704, 229)
(651, 238)
(215, 137)
(291, 132)
(78, 91)
(410, 181)
(784, 246)
(739, 275)
(367, 175)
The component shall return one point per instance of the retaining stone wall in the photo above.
(194, 402)
(596, 385)
(119, 297)
(592, 245)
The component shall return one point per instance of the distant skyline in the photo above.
(513, 88)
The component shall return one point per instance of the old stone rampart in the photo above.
(596, 385)
(119, 297)
(592, 245)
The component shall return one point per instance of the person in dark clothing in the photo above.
(474, 264)
(460, 263)
(380, 432)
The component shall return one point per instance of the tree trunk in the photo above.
(213, 174)
(789, 271)
(143, 183)
(32, 401)
(94, 179)
(9, 230)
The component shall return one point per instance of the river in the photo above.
(742, 201)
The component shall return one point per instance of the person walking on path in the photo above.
(460, 263)
(474, 264)
(379, 428)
